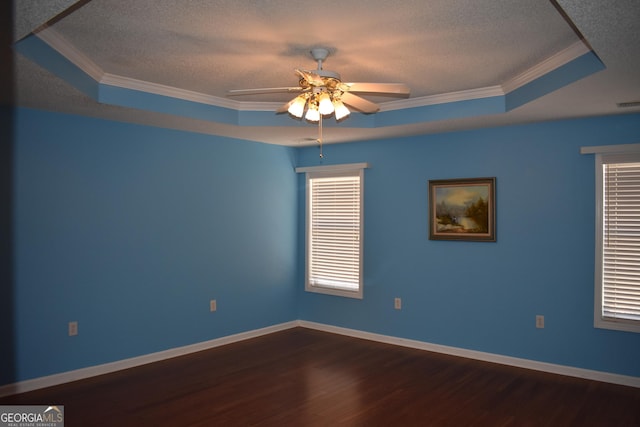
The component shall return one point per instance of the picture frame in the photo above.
(462, 209)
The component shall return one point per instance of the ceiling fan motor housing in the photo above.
(319, 53)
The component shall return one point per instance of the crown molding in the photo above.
(444, 98)
(66, 49)
(184, 94)
(555, 61)
(164, 90)
(56, 41)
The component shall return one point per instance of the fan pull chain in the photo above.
(320, 135)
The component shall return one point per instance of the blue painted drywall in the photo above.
(147, 101)
(131, 230)
(478, 295)
(38, 51)
(583, 66)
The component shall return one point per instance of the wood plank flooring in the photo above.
(304, 377)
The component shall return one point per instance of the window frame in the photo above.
(353, 170)
(608, 155)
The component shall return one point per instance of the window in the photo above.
(617, 272)
(334, 216)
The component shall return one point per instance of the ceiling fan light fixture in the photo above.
(296, 108)
(313, 114)
(341, 110)
(325, 106)
(321, 92)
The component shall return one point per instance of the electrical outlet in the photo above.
(397, 303)
(540, 321)
(73, 329)
(213, 306)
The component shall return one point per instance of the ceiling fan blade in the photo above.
(236, 92)
(400, 89)
(312, 78)
(284, 107)
(359, 103)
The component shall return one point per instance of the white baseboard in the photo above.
(479, 355)
(79, 374)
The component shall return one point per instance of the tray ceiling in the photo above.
(469, 64)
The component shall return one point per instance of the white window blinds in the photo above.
(334, 232)
(621, 241)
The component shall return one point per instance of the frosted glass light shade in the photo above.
(340, 109)
(297, 106)
(324, 105)
(313, 115)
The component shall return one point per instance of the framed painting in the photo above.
(462, 209)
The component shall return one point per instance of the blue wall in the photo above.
(131, 230)
(478, 295)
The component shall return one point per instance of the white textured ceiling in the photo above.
(436, 47)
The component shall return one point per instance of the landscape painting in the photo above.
(462, 209)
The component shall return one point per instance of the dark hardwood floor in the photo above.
(303, 377)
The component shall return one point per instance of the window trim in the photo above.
(356, 170)
(607, 154)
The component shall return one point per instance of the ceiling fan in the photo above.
(322, 93)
